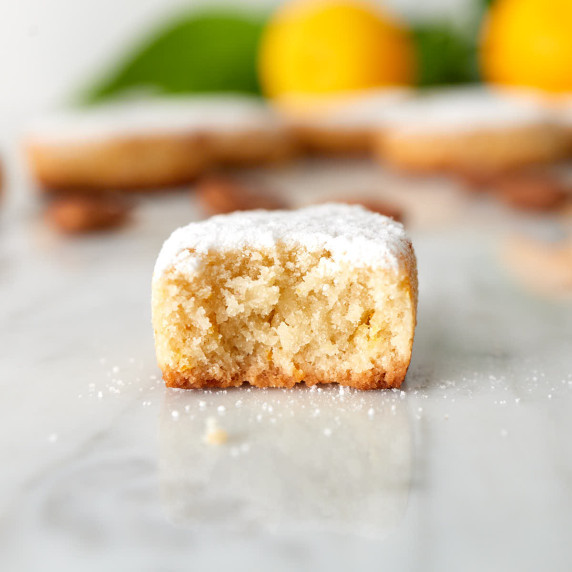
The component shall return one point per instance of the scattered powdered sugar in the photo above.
(349, 232)
(325, 407)
(118, 379)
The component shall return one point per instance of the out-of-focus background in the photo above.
(50, 49)
(123, 120)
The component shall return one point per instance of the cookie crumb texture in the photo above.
(276, 316)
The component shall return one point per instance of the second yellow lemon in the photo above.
(529, 43)
(328, 46)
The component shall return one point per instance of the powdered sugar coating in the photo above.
(366, 109)
(149, 116)
(349, 232)
(466, 109)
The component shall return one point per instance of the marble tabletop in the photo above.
(469, 467)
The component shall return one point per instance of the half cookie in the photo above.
(325, 294)
(137, 144)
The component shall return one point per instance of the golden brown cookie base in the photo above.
(147, 163)
(250, 149)
(477, 151)
(131, 163)
(373, 379)
(323, 141)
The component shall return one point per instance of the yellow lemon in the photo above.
(327, 46)
(529, 43)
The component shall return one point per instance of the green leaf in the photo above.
(445, 55)
(214, 51)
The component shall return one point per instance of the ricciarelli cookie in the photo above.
(325, 294)
(562, 110)
(153, 143)
(340, 125)
(470, 131)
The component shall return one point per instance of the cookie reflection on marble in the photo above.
(271, 474)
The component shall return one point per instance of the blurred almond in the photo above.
(219, 195)
(83, 214)
(531, 191)
(543, 267)
(376, 206)
(477, 181)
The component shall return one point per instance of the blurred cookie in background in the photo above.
(469, 131)
(563, 114)
(342, 124)
(153, 143)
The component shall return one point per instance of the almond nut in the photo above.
(82, 214)
(376, 206)
(531, 191)
(219, 195)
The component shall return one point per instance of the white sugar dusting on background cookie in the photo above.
(465, 110)
(156, 116)
(363, 109)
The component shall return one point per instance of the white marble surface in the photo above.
(469, 468)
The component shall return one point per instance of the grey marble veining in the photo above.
(469, 468)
